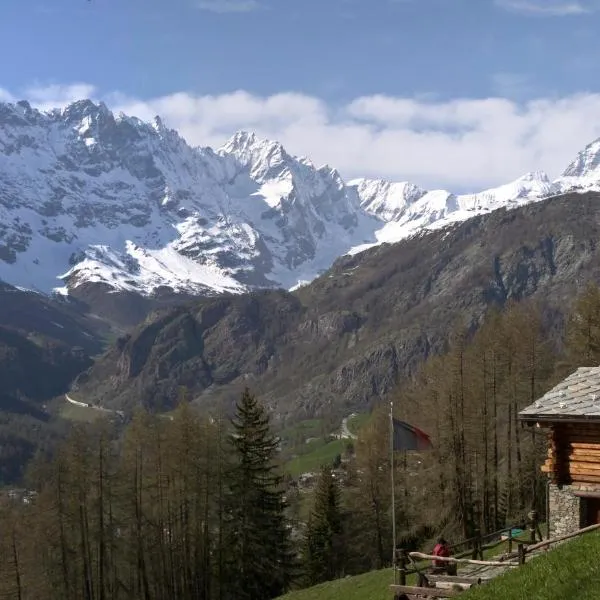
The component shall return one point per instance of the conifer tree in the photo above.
(323, 553)
(256, 534)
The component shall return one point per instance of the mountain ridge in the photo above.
(89, 198)
(342, 343)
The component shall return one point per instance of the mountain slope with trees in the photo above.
(194, 506)
(44, 343)
(176, 508)
(344, 341)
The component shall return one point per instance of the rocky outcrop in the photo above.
(342, 342)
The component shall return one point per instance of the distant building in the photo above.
(19, 495)
(571, 414)
(306, 480)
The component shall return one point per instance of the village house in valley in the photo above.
(570, 412)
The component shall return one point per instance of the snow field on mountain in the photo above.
(87, 196)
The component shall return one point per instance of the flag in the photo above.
(408, 437)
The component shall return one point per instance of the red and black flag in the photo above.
(408, 437)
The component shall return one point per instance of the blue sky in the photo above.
(322, 62)
(335, 49)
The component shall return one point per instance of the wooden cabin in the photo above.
(571, 414)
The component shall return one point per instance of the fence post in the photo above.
(521, 548)
(510, 539)
(477, 546)
(402, 561)
(533, 525)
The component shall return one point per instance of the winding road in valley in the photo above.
(345, 433)
(68, 398)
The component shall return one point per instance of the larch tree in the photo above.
(583, 329)
(369, 494)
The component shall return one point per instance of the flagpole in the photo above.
(393, 488)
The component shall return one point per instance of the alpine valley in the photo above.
(135, 265)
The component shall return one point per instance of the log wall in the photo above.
(573, 453)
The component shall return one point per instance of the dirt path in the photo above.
(487, 573)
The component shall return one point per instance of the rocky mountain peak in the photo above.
(586, 163)
(85, 108)
(159, 125)
(540, 176)
(386, 199)
(264, 158)
(19, 114)
(87, 197)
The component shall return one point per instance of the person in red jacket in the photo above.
(441, 549)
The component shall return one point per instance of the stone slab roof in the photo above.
(576, 396)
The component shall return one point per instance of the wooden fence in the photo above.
(447, 586)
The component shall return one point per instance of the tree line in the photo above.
(181, 507)
(483, 472)
(196, 507)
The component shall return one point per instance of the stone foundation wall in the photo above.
(565, 509)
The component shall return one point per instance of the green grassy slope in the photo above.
(369, 586)
(81, 414)
(572, 570)
(374, 585)
(318, 454)
(309, 449)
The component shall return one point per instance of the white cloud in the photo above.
(50, 96)
(228, 6)
(547, 8)
(463, 144)
(6, 96)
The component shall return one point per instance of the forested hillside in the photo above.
(343, 342)
(195, 506)
(44, 344)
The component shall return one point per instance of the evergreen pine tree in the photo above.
(323, 552)
(256, 535)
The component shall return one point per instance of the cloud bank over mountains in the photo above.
(464, 144)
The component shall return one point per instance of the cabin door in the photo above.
(591, 511)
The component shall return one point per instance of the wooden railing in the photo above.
(474, 547)
(478, 544)
(454, 585)
(544, 543)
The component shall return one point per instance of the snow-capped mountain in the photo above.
(87, 196)
(406, 209)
